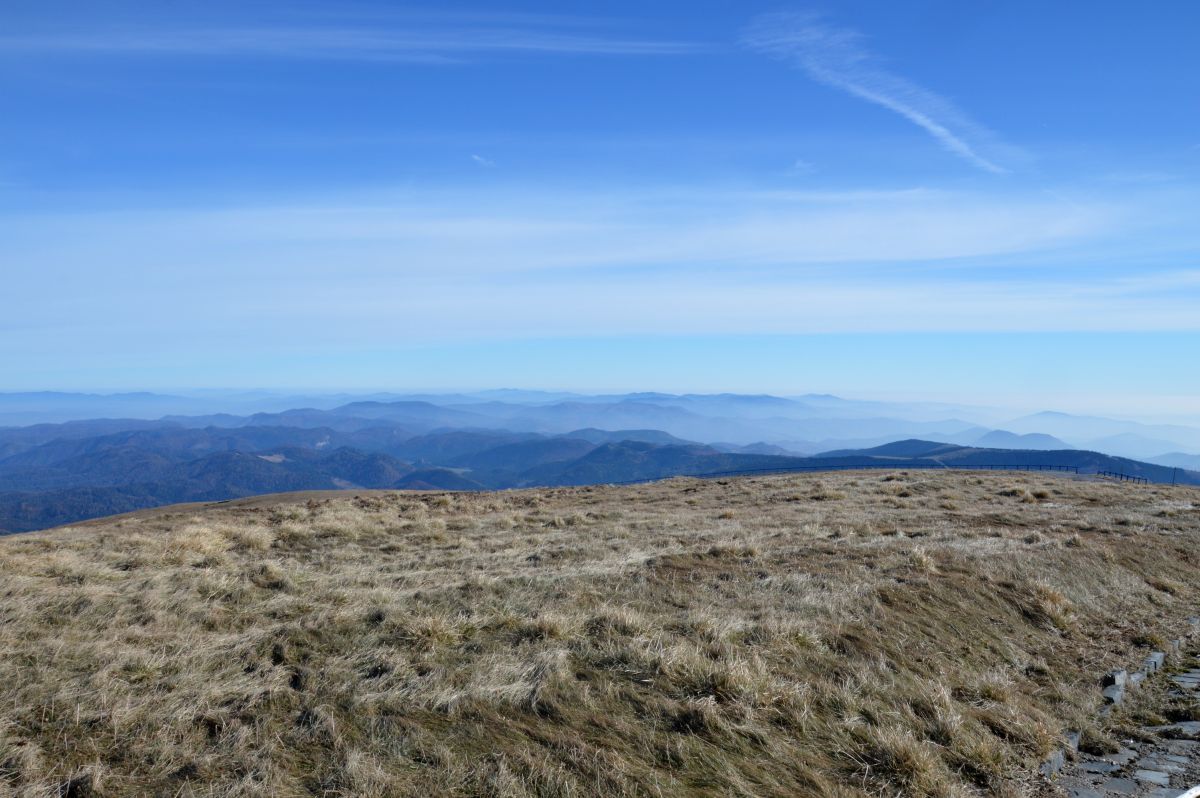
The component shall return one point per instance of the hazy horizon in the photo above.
(235, 399)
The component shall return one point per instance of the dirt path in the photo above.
(1157, 740)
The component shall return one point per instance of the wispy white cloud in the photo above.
(484, 162)
(802, 167)
(836, 57)
(506, 230)
(340, 273)
(409, 43)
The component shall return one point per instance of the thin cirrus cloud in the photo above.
(426, 267)
(834, 56)
(504, 231)
(406, 43)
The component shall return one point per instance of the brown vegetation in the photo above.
(923, 634)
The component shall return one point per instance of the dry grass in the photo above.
(903, 634)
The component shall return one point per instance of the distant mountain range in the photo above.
(1178, 460)
(53, 474)
(806, 424)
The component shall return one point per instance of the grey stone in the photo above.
(1053, 764)
(1155, 661)
(1153, 777)
(1164, 792)
(1084, 792)
(1114, 693)
(1122, 757)
(1099, 767)
(1116, 678)
(1073, 740)
(1155, 763)
(1187, 728)
(1120, 787)
(1136, 678)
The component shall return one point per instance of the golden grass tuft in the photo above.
(862, 635)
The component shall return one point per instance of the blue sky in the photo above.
(940, 199)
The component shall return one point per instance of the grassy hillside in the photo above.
(923, 634)
(64, 480)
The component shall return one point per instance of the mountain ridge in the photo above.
(112, 474)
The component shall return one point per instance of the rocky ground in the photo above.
(1155, 748)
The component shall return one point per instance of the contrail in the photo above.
(834, 57)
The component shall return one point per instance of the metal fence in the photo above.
(1123, 477)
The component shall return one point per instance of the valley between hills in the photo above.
(71, 470)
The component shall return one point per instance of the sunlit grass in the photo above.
(913, 634)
